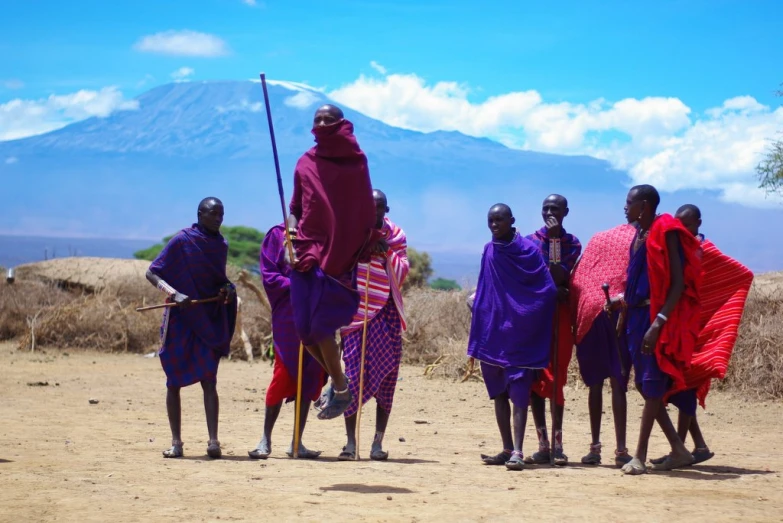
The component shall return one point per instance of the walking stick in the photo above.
(361, 364)
(173, 304)
(624, 372)
(290, 247)
(553, 405)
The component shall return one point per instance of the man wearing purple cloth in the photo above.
(332, 221)
(510, 332)
(276, 274)
(195, 336)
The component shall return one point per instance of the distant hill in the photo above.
(141, 173)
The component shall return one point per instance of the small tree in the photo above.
(420, 268)
(770, 170)
(441, 284)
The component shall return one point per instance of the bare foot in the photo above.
(634, 468)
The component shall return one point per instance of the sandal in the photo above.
(304, 452)
(213, 449)
(561, 460)
(671, 463)
(379, 454)
(658, 461)
(324, 398)
(594, 456)
(499, 459)
(338, 404)
(262, 450)
(516, 462)
(702, 455)
(347, 455)
(634, 468)
(621, 457)
(539, 458)
(175, 451)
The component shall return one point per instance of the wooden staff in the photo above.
(605, 288)
(290, 246)
(174, 304)
(361, 363)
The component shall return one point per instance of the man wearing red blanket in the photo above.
(662, 296)
(723, 294)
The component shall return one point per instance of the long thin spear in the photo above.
(555, 362)
(290, 247)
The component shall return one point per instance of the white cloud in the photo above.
(658, 140)
(182, 74)
(20, 118)
(243, 106)
(378, 67)
(183, 43)
(302, 99)
(11, 160)
(13, 83)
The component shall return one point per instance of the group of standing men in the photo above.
(336, 265)
(652, 295)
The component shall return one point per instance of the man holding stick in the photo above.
(276, 274)
(332, 218)
(600, 342)
(561, 250)
(192, 266)
(385, 316)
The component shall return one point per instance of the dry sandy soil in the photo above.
(67, 460)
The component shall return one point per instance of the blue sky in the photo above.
(676, 93)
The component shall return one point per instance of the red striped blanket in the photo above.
(723, 294)
(387, 273)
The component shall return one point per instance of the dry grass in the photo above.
(75, 316)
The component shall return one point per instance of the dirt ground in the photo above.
(65, 459)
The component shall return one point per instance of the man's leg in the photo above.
(680, 456)
(212, 408)
(595, 404)
(683, 425)
(698, 437)
(304, 452)
(649, 414)
(620, 415)
(174, 410)
(264, 448)
(557, 438)
(315, 352)
(538, 407)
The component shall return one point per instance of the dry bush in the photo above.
(20, 302)
(438, 326)
(756, 366)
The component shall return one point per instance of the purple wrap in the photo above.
(194, 263)
(322, 304)
(275, 274)
(650, 379)
(514, 306)
(598, 356)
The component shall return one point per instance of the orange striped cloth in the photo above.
(723, 294)
(387, 272)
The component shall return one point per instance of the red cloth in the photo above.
(543, 385)
(333, 202)
(677, 340)
(723, 294)
(604, 260)
(283, 386)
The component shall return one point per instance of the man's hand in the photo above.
(650, 340)
(553, 227)
(617, 303)
(381, 247)
(227, 293)
(562, 294)
(181, 300)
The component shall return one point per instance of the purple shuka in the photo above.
(597, 353)
(275, 273)
(512, 312)
(381, 362)
(322, 304)
(194, 339)
(650, 379)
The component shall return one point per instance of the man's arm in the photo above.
(177, 297)
(273, 264)
(676, 288)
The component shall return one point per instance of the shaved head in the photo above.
(501, 208)
(209, 202)
(500, 221)
(381, 207)
(210, 214)
(559, 199)
(378, 194)
(327, 115)
(690, 216)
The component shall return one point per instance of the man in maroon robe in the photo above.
(332, 222)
